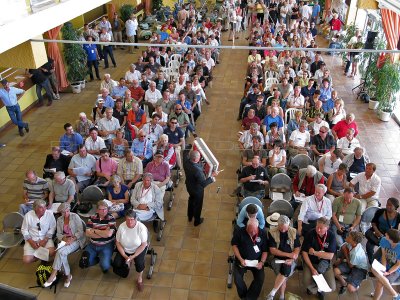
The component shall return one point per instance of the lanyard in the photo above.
(145, 191)
(316, 203)
(344, 207)
(144, 147)
(320, 242)
(255, 239)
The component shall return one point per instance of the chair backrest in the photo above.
(177, 57)
(290, 114)
(250, 200)
(301, 161)
(282, 207)
(369, 214)
(92, 194)
(173, 65)
(269, 82)
(12, 220)
(281, 181)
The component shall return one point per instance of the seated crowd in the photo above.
(290, 108)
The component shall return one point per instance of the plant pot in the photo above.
(384, 116)
(373, 104)
(83, 84)
(76, 87)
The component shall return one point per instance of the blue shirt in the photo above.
(316, 10)
(268, 120)
(90, 50)
(186, 104)
(328, 105)
(392, 254)
(108, 102)
(325, 94)
(118, 91)
(142, 148)
(71, 143)
(243, 215)
(9, 98)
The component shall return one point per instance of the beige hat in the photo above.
(273, 219)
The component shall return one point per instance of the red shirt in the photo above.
(137, 92)
(336, 24)
(307, 187)
(247, 122)
(341, 128)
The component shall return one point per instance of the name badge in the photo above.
(256, 250)
(92, 51)
(341, 218)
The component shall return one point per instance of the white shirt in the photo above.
(347, 146)
(30, 227)
(300, 138)
(105, 37)
(78, 161)
(247, 139)
(130, 76)
(152, 97)
(131, 238)
(98, 144)
(330, 166)
(210, 64)
(296, 101)
(131, 27)
(368, 185)
(278, 158)
(316, 126)
(108, 125)
(153, 132)
(312, 210)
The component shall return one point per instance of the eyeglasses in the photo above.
(142, 136)
(322, 131)
(38, 226)
(178, 108)
(174, 122)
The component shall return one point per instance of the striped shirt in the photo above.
(36, 190)
(102, 224)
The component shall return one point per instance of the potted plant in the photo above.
(387, 86)
(126, 11)
(75, 58)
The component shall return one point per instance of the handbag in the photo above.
(116, 207)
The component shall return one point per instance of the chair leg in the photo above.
(161, 225)
(230, 273)
(2, 251)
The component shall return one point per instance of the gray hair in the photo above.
(304, 122)
(252, 222)
(194, 154)
(82, 114)
(38, 203)
(283, 220)
(148, 175)
(311, 170)
(60, 175)
(115, 178)
(254, 126)
(321, 187)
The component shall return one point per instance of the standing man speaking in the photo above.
(195, 184)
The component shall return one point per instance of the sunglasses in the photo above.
(38, 225)
(322, 131)
(142, 136)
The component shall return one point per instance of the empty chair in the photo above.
(280, 184)
(11, 235)
(300, 161)
(176, 57)
(90, 196)
(290, 114)
(282, 207)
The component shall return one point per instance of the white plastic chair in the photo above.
(290, 114)
(176, 57)
(270, 82)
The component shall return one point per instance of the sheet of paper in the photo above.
(42, 253)
(81, 171)
(276, 195)
(251, 263)
(352, 175)
(257, 180)
(109, 203)
(377, 266)
(321, 283)
(60, 245)
(279, 261)
(65, 152)
(54, 207)
(301, 198)
(52, 170)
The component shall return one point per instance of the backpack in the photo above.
(84, 207)
(43, 273)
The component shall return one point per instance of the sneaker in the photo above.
(21, 132)
(396, 297)
(27, 127)
(342, 290)
(321, 295)
(269, 297)
(57, 97)
(2, 145)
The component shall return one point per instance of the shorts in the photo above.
(354, 275)
(393, 277)
(28, 250)
(283, 269)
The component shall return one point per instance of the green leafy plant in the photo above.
(388, 85)
(74, 55)
(350, 31)
(126, 10)
(157, 4)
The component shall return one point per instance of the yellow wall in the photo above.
(119, 3)
(27, 99)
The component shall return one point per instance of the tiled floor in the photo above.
(191, 261)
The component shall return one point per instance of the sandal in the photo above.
(68, 281)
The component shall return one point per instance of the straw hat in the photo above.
(273, 219)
